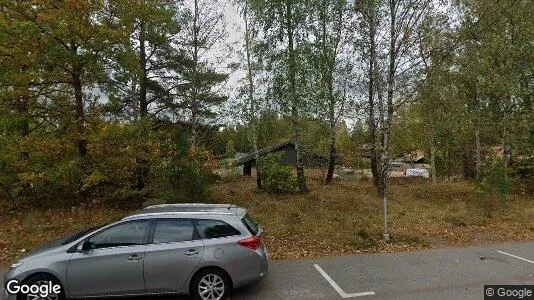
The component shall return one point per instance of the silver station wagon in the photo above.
(204, 250)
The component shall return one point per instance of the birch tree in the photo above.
(393, 62)
(330, 32)
(253, 111)
(284, 29)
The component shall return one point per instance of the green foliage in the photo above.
(477, 80)
(155, 24)
(187, 173)
(120, 156)
(277, 178)
(495, 187)
(52, 173)
(230, 149)
(227, 163)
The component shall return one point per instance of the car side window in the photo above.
(169, 231)
(126, 234)
(209, 229)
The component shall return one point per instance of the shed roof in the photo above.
(263, 151)
(306, 155)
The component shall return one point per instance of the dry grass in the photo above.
(345, 217)
(26, 229)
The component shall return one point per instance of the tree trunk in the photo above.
(194, 126)
(505, 132)
(257, 157)
(294, 98)
(449, 166)
(194, 92)
(329, 61)
(22, 109)
(251, 99)
(433, 158)
(23, 112)
(143, 82)
(384, 158)
(432, 141)
(332, 158)
(477, 154)
(372, 78)
(332, 126)
(81, 143)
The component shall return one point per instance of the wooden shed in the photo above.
(288, 157)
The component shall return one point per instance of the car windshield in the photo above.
(79, 234)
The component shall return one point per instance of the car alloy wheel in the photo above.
(211, 287)
(38, 297)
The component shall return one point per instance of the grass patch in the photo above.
(364, 240)
(456, 221)
(346, 217)
(342, 218)
(410, 240)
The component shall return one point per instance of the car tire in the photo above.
(211, 284)
(42, 279)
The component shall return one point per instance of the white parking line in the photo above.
(338, 289)
(515, 256)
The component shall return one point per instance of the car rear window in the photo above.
(250, 224)
(209, 229)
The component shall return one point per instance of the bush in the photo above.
(42, 178)
(495, 187)
(187, 173)
(126, 164)
(119, 162)
(275, 177)
(227, 163)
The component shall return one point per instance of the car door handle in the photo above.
(134, 257)
(191, 252)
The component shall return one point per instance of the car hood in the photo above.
(45, 248)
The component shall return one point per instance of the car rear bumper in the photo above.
(264, 269)
(255, 269)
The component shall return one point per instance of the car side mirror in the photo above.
(84, 246)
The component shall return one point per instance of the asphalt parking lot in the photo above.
(449, 273)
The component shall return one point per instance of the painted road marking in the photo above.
(338, 289)
(515, 256)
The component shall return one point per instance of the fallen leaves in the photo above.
(343, 218)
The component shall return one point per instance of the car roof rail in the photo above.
(191, 206)
(175, 213)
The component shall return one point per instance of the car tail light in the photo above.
(252, 242)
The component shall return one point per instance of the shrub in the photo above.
(495, 187)
(187, 173)
(119, 161)
(227, 163)
(275, 177)
(42, 178)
